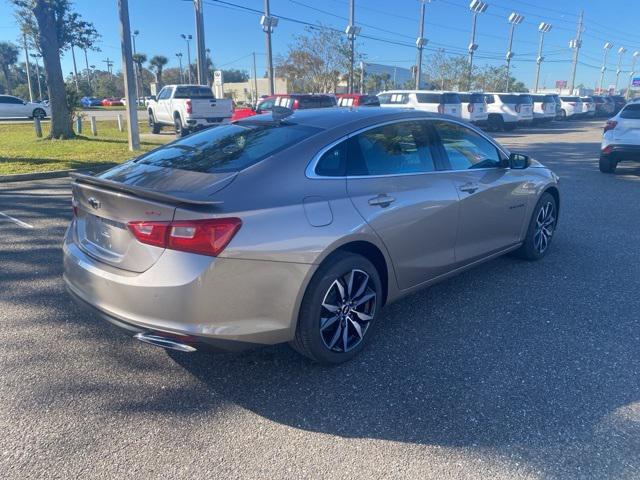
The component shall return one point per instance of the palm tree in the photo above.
(158, 62)
(8, 57)
(139, 59)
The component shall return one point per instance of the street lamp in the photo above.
(352, 31)
(188, 38)
(621, 52)
(136, 73)
(179, 55)
(36, 56)
(636, 54)
(607, 46)
(514, 19)
(268, 23)
(542, 28)
(421, 42)
(476, 7)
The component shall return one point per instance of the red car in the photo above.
(294, 101)
(357, 100)
(112, 102)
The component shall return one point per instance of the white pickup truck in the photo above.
(187, 108)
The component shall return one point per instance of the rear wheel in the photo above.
(542, 226)
(495, 123)
(608, 164)
(177, 125)
(563, 114)
(339, 309)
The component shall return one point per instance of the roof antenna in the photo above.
(279, 113)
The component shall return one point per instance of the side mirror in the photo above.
(519, 161)
(152, 97)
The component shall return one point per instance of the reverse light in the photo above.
(610, 125)
(189, 106)
(441, 108)
(206, 237)
(470, 108)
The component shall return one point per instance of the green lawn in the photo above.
(22, 152)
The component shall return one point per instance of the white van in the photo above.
(447, 103)
(474, 108)
(508, 110)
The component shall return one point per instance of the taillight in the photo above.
(610, 125)
(608, 149)
(296, 104)
(189, 106)
(206, 237)
(470, 108)
(441, 108)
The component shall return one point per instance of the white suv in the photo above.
(570, 107)
(588, 106)
(621, 138)
(507, 110)
(474, 108)
(544, 108)
(447, 103)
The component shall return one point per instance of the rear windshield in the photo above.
(429, 97)
(631, 111)
(370, 100)
(525, 99)
(193, 91)
(471, 97)
(450, 98)
(598, 99)
(320, 101)
(227, 148)
(571, 99)
(514, 98)
(393, 98)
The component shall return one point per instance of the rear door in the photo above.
(393, 183)
(493, 200)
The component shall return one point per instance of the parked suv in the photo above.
(507, 110)
(621, 138)
(293, 101)
(544, 108)
(570, 107)
(357, 100)
(474, 108)
(604, 107)
(619, 102)
(447, 103)
(588, 106)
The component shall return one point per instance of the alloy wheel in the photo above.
(348, 308)
(545, 225)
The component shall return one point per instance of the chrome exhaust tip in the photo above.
(164, 342)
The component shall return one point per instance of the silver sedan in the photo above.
(298, 227)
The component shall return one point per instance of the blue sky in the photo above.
(232, 34)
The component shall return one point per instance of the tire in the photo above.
(563, 115)
(495, 123)
(178, 128)
(153, 126)
(39, 113)
(537, 237)
(510, 127)
(326, 345)
(608, 164)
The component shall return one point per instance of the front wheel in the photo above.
(542, 226)
(495, 123)
(39, 113)
(153, 126)
(339, 309)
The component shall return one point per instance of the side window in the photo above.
(465, 148)
(333, 162)
(164, 94)
(395, 149)
(4, 99)
(266, 105)
(489, 99)
(14, 100)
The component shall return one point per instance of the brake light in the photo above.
(206, 237)
(608, 149)
(296, 104)
(470, 108)
(441, 108)
(189, 106)
(610, 125)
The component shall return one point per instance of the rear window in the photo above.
(598, 99)
(450, 98)
(525, 99)
(369, 100)
(538, 98)
(549, 98)
(631, 111)
(509, 98)
(429, 97)
(227, 148)
(193, 91)
(393, 98)
(320, 101)
(571, 99)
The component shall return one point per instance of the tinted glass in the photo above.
(429, 98)
(266, 104)
(319, 101)
(506, 98)
(369, 100)
(399, 148)
(489, 99)
(598, 99)
(571, 99)
(525, 99)
(227, 148)
(393, 98)
(164, 94)
(333, 162)
(10, 100)
(538, 98)
(193, 91)
(450, 98)
(631, 111)
(476, 98)
(549, 99)
(465, 148)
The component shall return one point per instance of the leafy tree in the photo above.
(158, 62)
(138, 60)
(234, 75)
(8, 57)
(378, 82)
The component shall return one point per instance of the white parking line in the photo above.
(15, 220)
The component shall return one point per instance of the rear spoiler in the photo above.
(140, 191)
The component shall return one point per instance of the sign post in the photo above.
(218, 84)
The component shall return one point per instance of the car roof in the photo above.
(419, 91)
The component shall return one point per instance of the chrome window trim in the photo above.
(310, 171)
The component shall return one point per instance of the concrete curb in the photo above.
(24, 177)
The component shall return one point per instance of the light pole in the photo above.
(575, 44)
(36, 56)
(179, 55)
(636, 54)
(421, 42)
(514, 19)
(208, 67)
(351, 32)
(268, 24)
(26, 61)
(621, 51)
(136, 73)
(188, 38)
(476, 7)
(607, 46)
(542, 28)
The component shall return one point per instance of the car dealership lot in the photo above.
(510, 370)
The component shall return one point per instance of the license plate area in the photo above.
(104, 233)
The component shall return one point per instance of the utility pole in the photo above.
(576, 44)
(109, 64)
(621, 52)
(636, 54)
(75, 68)
(607, 46)
(201, 56)
(420, 43)
(255, 78)
(179, 55)
(476, 7)
(136, 72)
(127, 70)
(351, 32)
(26, 61)
(35, 57)
(86, 61)
(188, 38)
(362, 77)
(268, 23)
(542, 28)
(514, 19)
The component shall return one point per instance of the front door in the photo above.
(394, 184)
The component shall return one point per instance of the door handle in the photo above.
(469, 187)
(383, 200)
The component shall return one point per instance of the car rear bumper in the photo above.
(622, 152)
(195, 123)
(215, 300)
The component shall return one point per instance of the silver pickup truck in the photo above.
(187, 108)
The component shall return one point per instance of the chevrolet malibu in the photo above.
(298, 227)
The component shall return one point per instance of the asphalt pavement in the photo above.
(512, 370)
